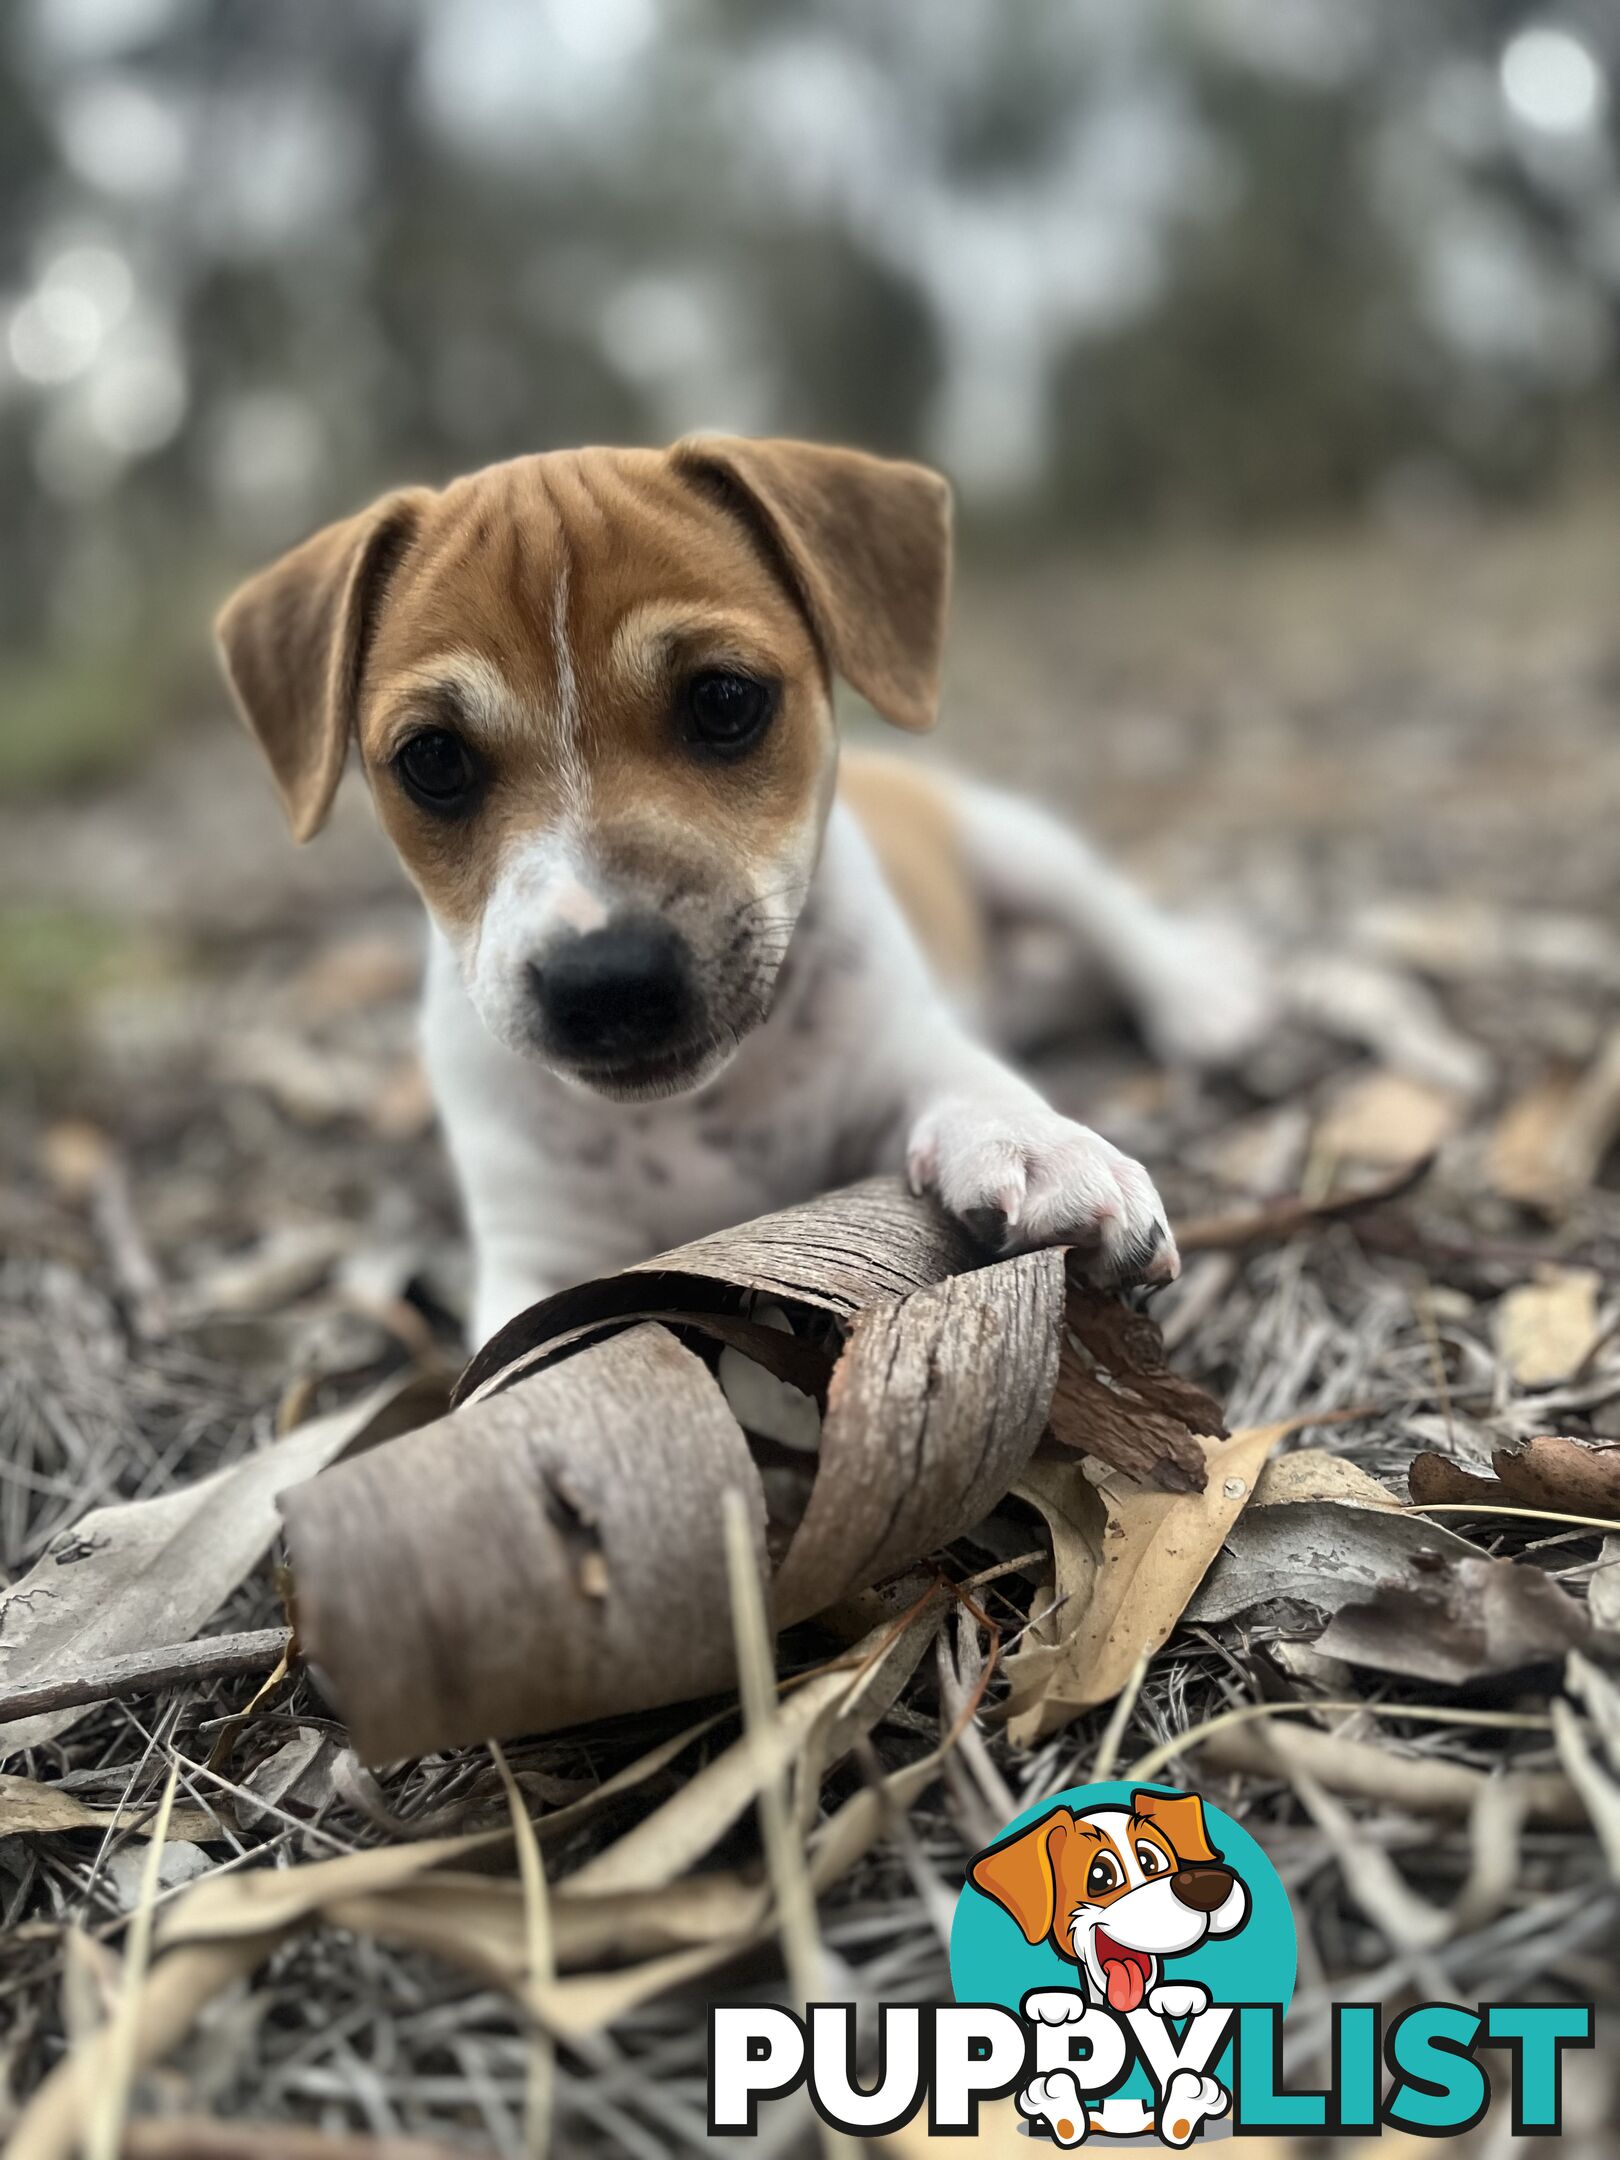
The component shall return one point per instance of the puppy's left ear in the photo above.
(865, 542)
(293, 641)
(1181, 1818)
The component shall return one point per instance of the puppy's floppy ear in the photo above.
(1180, 1816)
(293, 641)
(866, 544)
(1021, 1873)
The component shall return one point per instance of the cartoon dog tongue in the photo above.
(1127, 1983)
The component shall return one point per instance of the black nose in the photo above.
(1203, 1888)
(615, 994)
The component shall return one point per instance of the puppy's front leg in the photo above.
(1019, 1175)
(996, 1153)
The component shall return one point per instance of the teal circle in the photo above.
(991, 1962)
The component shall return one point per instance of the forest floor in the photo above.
(223, 1207)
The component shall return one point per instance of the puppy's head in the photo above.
(1117, 1889)
(592, 693)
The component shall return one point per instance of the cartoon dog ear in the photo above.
(293, 641)
(865, 543)
(1021, 1873)
(1181, 1817)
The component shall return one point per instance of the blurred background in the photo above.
(1119, 266)
(1273, 347)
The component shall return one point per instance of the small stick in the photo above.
(104, 2131)
(140, 1672)
(1525, 1514)
(784, 1854)
(1150, 1764)
(542, 1964)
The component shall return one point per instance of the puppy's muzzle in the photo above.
(616, 997)
(1202, 1888)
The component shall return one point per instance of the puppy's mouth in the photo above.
(1126, 1972)
(651, 1075)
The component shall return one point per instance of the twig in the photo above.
(1280, 1219)
(106, 2128)
(541, 1960)
(784, 1855)
(1150, 1764)
(142, 1672)
(1528, 1514)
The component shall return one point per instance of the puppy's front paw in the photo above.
(1029, 1178)
(1054, 2006)
(1189, 2102)
(1178, 1999)
(1055, 2100)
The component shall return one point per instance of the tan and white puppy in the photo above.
(1118, 1891)
(669, 985)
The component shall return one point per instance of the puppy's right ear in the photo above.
(293, 641)
(1021, 1873)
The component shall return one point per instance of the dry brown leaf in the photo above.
(1390, 1120)
(1545, 1328)
(1317, 1474)
(1321, 1532)
(1564, 1475)
(1555, 1472)
(1467, 1620)
(28, 1809)
(551, 1550)
(1438, 1480)
(1136, 1557)
(1550, 1142)
(148, 1571)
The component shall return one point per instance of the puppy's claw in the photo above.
(988, 1225)
(1018, 1176)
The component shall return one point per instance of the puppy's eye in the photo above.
(1102, 1876)
(1151, 1860)
(436, 769)
(726, 712)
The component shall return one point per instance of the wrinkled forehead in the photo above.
(574, 571)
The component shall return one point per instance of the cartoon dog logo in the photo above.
(1118, 1890)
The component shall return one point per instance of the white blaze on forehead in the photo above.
(499, 718)
(568, 718)
(1115, 1823)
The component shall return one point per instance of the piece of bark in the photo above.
(851, 1249)
(551, 1555)
(550, 1551)
(934, 1409)
(1117, 1399)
